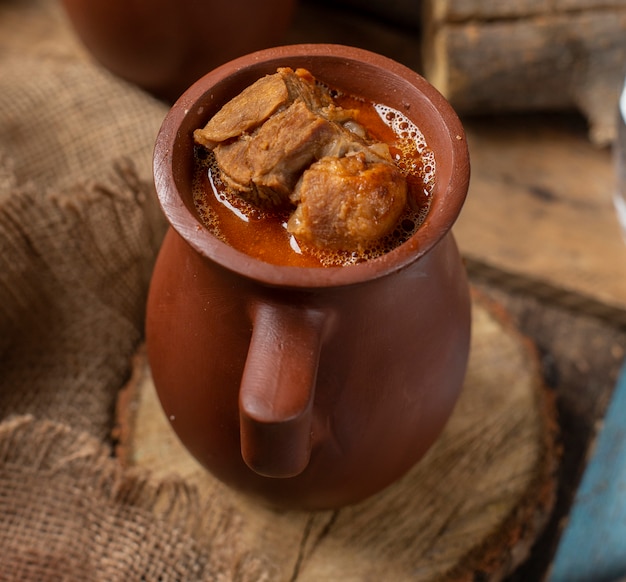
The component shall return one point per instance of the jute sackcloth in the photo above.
(80, 228)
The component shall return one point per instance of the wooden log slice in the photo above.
(512, 56)
(471, 508)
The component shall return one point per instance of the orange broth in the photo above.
(262, 234)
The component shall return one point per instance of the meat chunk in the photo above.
(245, 112)
(283, 142)
(258, 102)
(266, 165)
(301, 85)
(347, 203)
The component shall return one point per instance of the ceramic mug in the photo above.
(309, 387)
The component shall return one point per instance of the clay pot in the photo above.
(309, 387)
(165, 45)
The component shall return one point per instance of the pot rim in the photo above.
(175, 138)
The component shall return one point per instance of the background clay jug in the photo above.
(309, 387)
(165, 45)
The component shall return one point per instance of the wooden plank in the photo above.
(540, 206)
(593, 545)
(461, 10)
(521, 55)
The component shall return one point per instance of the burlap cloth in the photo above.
(79, 232)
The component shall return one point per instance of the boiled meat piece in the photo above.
(284, 143)
(266, 165)
(256, 103)
(266, 136)
(302, 85)
(247, 111)
(347, 203)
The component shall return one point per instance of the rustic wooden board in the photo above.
(582, 356)
(522, 56)
(474, 504)
(464, 10)
(600, 507)
(540, 207)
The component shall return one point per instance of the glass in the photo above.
(620, 162)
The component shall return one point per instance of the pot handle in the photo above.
(278, 387)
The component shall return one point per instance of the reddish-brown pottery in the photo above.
(165, 45)
(309, 388)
